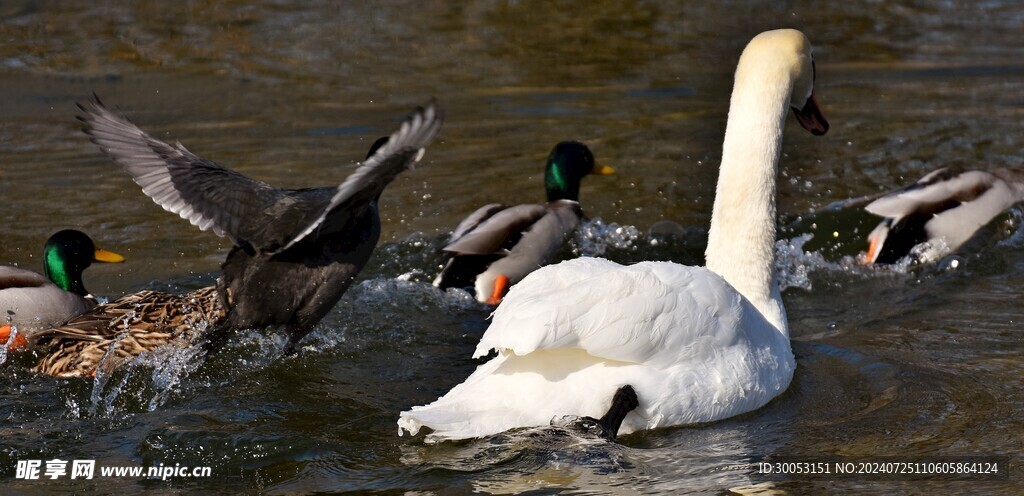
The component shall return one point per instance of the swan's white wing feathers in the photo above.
(632, 314)
(570, 334)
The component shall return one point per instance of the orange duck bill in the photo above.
(19, 342)
(500, 286)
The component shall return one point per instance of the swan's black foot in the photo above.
(623, 402)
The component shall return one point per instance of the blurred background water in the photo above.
(902, 362)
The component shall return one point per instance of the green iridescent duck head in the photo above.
(567, 164)
(68, 253)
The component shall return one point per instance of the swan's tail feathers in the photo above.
(623, 402)
(445, 423)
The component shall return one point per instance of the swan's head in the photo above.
(788, 52)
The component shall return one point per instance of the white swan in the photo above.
(696, 344)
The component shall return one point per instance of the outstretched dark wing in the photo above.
(401, 151)
(247, 211)
(202, 192)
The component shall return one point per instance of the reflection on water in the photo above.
(895, 361)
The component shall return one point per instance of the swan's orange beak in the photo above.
(811, 118)
(500, 285)
(17, 343)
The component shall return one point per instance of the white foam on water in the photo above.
(794, 266)
(1016, 224)
(594, 237)
(152, 378)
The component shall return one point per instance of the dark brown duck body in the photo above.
(298, 287)
(295, 251)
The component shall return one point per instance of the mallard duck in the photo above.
(295, 251)
(111, 334)
(498, 245)
(696, 344)
(942, 211)
(29, 300)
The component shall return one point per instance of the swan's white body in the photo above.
(693, 348)
(696, 344)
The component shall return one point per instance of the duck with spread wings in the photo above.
(295, 251)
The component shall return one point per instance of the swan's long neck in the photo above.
(741, 242)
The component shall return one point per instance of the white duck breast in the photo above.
(696, 344)
(944, 209)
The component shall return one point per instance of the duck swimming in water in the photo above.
(104, 338)
(939, 213)
(295, 251)
(498, 245)
(30, 301)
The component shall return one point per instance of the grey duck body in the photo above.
(509, 241)
(32, 301)
(29, 300)
(498, 245)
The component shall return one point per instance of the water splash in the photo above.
(594, 238)
(145, 382)
(794, 267)
(3, 347)
(1015, 221)
(252, 349)
(170, 366)
(105, 369)
(402, 291)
